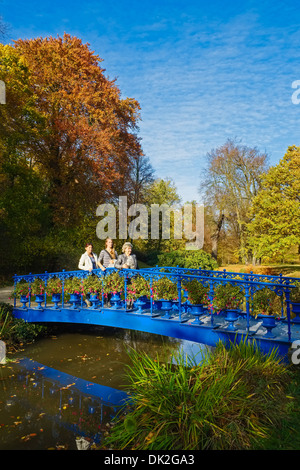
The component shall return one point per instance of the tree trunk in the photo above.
(215, 237)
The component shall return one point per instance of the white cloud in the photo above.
(202, 74)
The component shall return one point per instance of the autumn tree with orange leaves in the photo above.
(66, 125)
(87, 138)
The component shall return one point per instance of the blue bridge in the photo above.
(159, 300)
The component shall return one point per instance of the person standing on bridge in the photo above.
(108, 256)
(127, 260)
(88, 261)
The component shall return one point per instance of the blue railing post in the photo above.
(281, 296)
(81, 293)
(211, 298)
(179, 297)
(29, 289)
(102, 299)
(288, 312)
(151, 296)
(45, 294)
(247, 297)
(15, 297)
(63, 290)
(125, 291)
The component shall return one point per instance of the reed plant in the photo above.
(230, 400)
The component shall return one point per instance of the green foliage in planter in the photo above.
(73, 285)
(37, 287)
(54, 286)
(92, 284)
(164, 288)
(21, 288)
(231, 400)
(197, 292)
(138, 287)
(295, 293)
(227, 296)
(113, 283)
(266, 302)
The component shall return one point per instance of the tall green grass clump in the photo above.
(229, 401)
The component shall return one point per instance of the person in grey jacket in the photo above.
(127, 260)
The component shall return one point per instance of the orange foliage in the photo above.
(87, 141)
(265, 270)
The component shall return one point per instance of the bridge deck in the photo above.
(209, 332)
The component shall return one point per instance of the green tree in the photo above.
(275, 212)
(228, 185)
(162, 192)
(24, 212)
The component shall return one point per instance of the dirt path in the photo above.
(5, 293)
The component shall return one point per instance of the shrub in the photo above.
(229, 401)
(190, 259)
(15, 331)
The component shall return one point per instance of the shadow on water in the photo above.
(70, 385)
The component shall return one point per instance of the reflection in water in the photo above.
(71, 385)
(40, 398)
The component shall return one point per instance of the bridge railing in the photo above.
(248, 285)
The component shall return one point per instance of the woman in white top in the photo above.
(88, 260)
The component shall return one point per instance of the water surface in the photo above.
(70, 385)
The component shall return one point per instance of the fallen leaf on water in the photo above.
(28, 437)
(67, 386)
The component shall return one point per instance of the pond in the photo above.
(63, 391)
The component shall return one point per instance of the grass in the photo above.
(232, 400)
(290, 270)
(286, 436)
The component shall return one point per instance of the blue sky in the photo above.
(202, 71)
